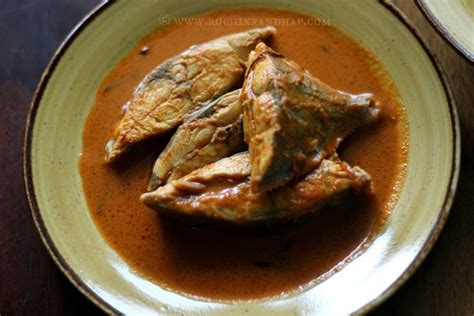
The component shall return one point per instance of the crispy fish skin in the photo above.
(222, 191)
(207, 135)
(292, 121)
(182, 84)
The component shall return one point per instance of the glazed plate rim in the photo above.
(442, 30)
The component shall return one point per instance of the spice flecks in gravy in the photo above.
(233, 265)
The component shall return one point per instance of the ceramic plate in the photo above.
(65, 96)
(454, 20)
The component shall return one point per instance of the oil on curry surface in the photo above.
(232, 264)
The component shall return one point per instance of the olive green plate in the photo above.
(66, 93)
(454, 20)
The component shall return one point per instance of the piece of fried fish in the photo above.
(222, 191)
(183, 84)
(207, 135)
(292, 121)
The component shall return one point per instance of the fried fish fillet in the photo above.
(207, 135)
(222, 191)
(292, 121)
(182, 84)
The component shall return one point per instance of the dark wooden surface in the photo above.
(30, 283)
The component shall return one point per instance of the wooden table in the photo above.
(30, 283)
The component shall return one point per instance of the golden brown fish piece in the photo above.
(207, 135)
(182, 84)
(292, 121)
(222, 191)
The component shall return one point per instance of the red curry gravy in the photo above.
(238, 265)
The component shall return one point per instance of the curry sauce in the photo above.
(242, 264)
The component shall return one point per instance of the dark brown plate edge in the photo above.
(453, 178)
(105, 306)
(444, 32)
(27, 169)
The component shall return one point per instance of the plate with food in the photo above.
(454, 20)
(241, 156)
